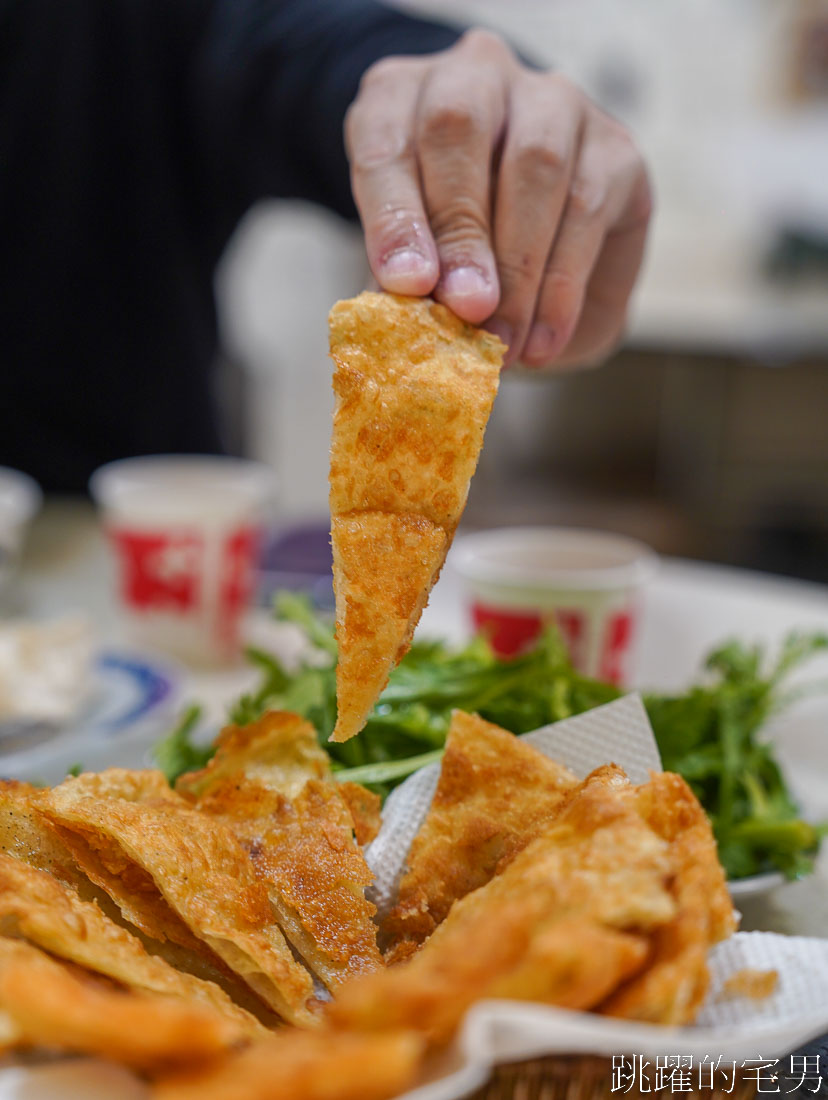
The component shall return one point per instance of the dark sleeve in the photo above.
(270, 82)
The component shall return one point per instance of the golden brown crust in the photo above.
(303, 849)
(366, 811)
(39, 908)
(595, 881)
(270, 784)
(384, 567)
(495, 794)
(414, 387)
(306, 1066)
(182, 863)
(672, 988)
(280, 750)
(26, 835)
(51, 1004)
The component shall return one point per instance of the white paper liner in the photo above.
(500, 1031)
(617, 733)
(494, 1032)
(733, 1030)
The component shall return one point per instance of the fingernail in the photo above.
(501, 330)
(465, 282)
(405, 263)
(540, 345)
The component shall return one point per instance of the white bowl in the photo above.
(755, 885)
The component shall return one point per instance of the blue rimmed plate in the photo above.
(131, 704)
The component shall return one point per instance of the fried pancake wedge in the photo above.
(414, 388)
(366, 811)
(305, 1066)
(46, 1003)
(303, 849)
(45, 912)
(673, 986)
(279, 751)
(495, 794)
(185, 870)
(566, 922)
(26, 835)
(384, 566)
(270, 784)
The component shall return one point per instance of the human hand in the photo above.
(504, 192)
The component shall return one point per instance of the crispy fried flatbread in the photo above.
(672, 988)
(46, 1003)
(270, 784)
(304, 851)
(280, 751)
(414, 388)
(366, 811)
(306, 1066)
(28, 836)
(495, 794)
(25, 835)
(174, 867)
(566, 922)
(39, 908)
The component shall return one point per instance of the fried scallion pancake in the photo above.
(47, 913)
(25, 835)
(414, 387)
(28, 836)
(565, 923)
(672, 988)
(384, 567)
(175, 868)
(495, 794)
(303, 850)
(279, 751)
(270, 785)
(366, 811)
(305, 1066)
(46, 1003)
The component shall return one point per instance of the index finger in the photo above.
(379, 135)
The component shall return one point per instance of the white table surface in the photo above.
(688, 608)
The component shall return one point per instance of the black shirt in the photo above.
(134, 134)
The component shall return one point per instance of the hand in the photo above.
(505, 193)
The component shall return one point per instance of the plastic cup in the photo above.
(588, 583)
(185, 531)
(20, 499)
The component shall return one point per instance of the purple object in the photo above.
(298, 558)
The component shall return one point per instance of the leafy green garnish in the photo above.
(413, 713)
(74, 770)
(177, 753)
(709, 734)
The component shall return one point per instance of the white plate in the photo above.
(755, 885)
(132, 705)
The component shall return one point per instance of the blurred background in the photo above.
(705, 436)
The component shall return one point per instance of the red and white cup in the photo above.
(588, 583)
(185, 531)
